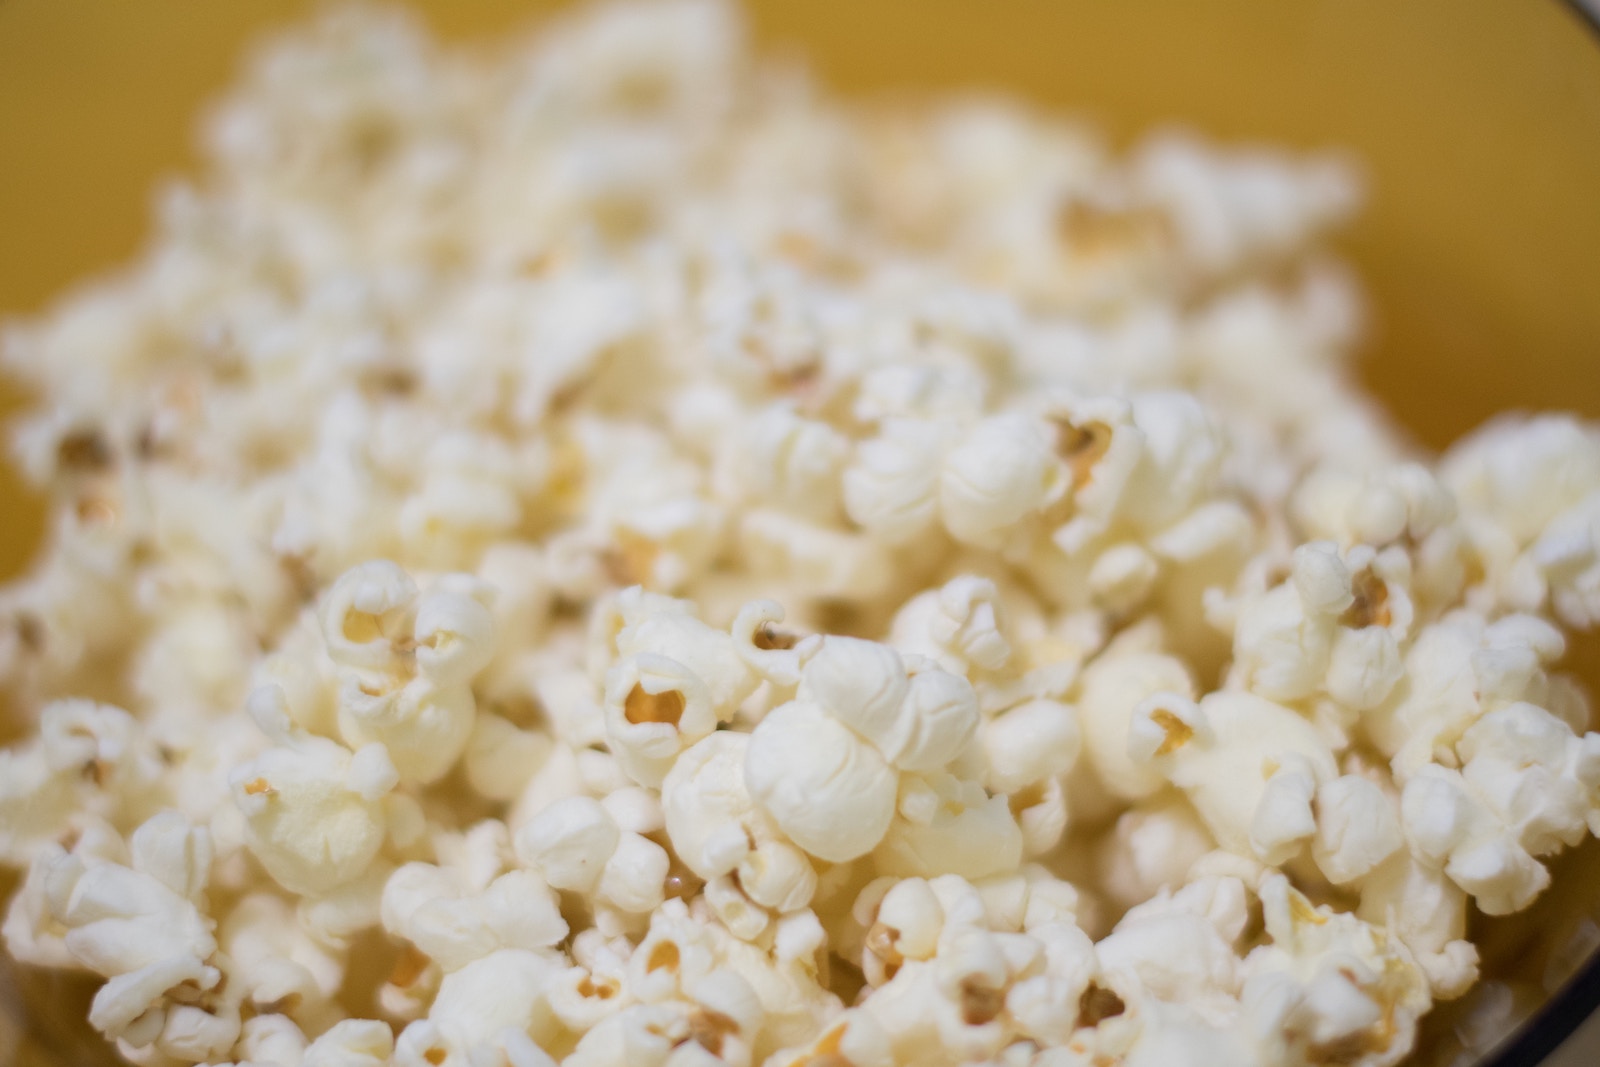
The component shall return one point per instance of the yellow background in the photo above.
(1478, 122)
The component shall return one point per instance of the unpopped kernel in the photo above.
(601, 553)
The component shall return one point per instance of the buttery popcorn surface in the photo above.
(599, 553)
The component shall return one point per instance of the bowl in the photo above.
(1477, 124)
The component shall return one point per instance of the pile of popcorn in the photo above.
(597, 553)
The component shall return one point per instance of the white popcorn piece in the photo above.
(1175, 953)
(951, 977)
(1458, 670)
(366, 615)
(337, 916)
(787, 460)
(765, 646)
(107, 747)
(478, 1003)
(1358, 827)
(36, 802)
(1524, 791)
(569, 843)
(937, 719)
(519, 576)
(862, 684)
(642, 1033)
(271, 1039)
(467, 495)
(1523, 472)
(672, 630)
(1000, 472)
(655, 707)
(301, 667)
(1144, 471)
(824, 560)
(454, 922)
(1042, 815)
(1333, 980)
(500, 758)
(89, 759)
(315, 812)
(352, 1043)
(284, 969)
(1031, 743)
(634, 879)
(577, 845)
(778, 876)
(892, 486)
(711, 817)
(1364, 666)
(734, 909)
(829, 791)
(918, 719)
(855, 1037)
(142, 928)
(1567, 558)
(944, 825)
(1111, 688)
(1428, 913)
(1282, 641)
(1250, 767)
(1152, 847)
(1373, 507)
(959, 625)
(406, 661)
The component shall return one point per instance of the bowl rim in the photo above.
(1588, 12)
(1557, 1019)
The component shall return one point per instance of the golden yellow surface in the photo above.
(1478, 122)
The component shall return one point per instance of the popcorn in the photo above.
(1111, 688)
(1249, 766)
(892, 486)
(1334, 980)
(1358, 828)
(141, 927)
(1000, 472)
(315, 812)
(829, 790)
(285, 969)
(1333, 627)
(1523, 791)
(1031, 743)
(784, 459)
(577, 846)
(89, 758)
(1456, 671)
(918, 719)
(1151, 847)
(352, 1043)
(716, 575)
(946, 825)
(406, 661)
(1428, 913)
(478, 1003)
(570, 842)
(454, 924)
(1176, 954)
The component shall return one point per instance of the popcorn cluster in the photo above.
(597, 553)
